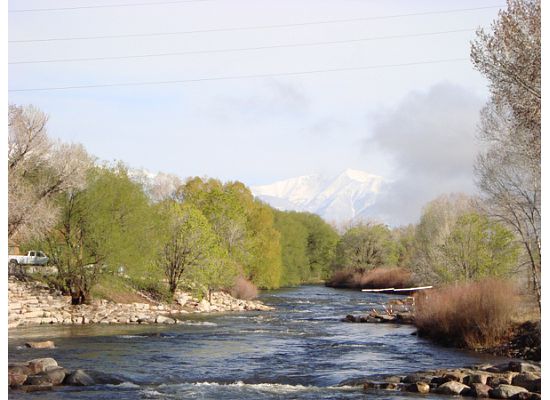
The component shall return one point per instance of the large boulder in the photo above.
(521, 366)
(48, 344)
(453, 388)
(55, 376)
(79, 378)
(16, 378)
(476, 378)
(39, 365)
(506, 391)
(418, 387)
(527, 380)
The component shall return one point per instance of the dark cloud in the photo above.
(431, 139)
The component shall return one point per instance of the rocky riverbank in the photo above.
(397, 311)
(34, 303)
(42, 374)
(515, 380)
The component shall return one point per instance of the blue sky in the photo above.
(262, 129)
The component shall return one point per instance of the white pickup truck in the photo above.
(33, 257)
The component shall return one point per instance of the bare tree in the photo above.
(38, 169)
(508, 172)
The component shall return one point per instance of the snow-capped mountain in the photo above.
(339, 199)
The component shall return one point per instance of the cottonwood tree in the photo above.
(38, 169)
(477, 247)
(436, 223)
(508, 172)
(189, 245)
(108, 224)
(366, 246)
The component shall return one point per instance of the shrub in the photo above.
(153, 288)
(475, 315)
(244, 289)
(380, 278)
(377, 278)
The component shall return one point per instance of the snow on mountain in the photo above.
(342, 198)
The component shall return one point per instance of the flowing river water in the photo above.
(300, 350)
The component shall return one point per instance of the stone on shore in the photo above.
(453, 388)
(480, 390)
(520, 366)
(48, 344)
(55, 376)
(16, 378)
(506, 391)
(164, 320)
(528, 380)
(418, 387)
(39, 365)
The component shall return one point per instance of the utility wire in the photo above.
(278, 46)
(235, 77)
(334, 21)
(105, 6)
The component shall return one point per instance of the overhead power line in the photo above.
(106, 6)
(246, 28)
(277, 46)
(236, 77)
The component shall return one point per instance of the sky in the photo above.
(355, 104)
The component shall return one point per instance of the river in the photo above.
(301, 351)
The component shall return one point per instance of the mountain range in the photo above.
(343, 198)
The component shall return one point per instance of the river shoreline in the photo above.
(34, 303)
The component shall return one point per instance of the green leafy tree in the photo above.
(243, 225)
(477, 248)
(189, 244)
(294, 247)
(366, 246)
(307, 246)
(101, 228)
(321, 245)
(217, 273)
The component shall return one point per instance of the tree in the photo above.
(108, 224)
(189, 243)
(436, 223)
(508, 172)
(366, 246)
(321, 245)
(243, 225)
(294, 247)
(477, 248)
(38, 170)
(218, 272)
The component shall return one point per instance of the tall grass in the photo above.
(475, 315)
(377, 278)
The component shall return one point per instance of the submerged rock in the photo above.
(79, 378)
(48, 344)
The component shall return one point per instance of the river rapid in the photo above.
(300, 350)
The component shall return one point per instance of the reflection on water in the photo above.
(300, 350)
